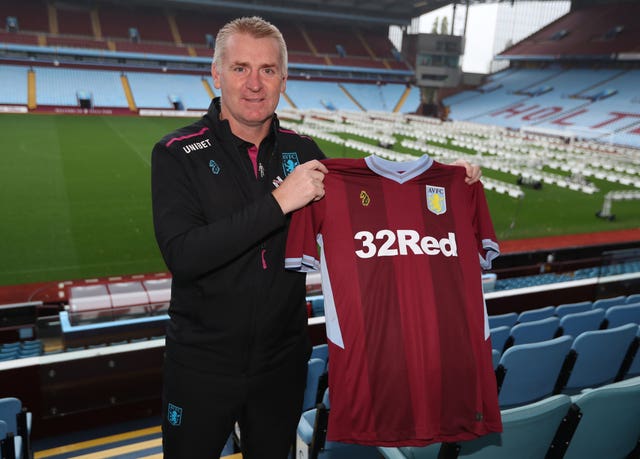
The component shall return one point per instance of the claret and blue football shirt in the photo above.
(402, 245)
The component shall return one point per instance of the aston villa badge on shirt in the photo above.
(289, 162)
(436, 199)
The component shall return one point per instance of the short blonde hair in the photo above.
(257, 28)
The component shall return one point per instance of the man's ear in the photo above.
(215, 75)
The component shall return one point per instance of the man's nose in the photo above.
(253, 81)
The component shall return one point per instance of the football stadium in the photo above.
(391, 93)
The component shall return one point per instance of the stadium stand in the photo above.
(10, 444)
(599, 356)
(571, 308)
(589, 31)
(623, 314)
(578, 322)
(165, 90)
(18, 420)
(529, 372)
(60, 87)
(608, 425)
(536, 314)
(533, 331)
(528, 431)
(13, 89)
(581, 102)
(499, 336)
(311, 437)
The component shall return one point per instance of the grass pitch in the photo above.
(75, 199)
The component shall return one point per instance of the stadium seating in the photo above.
(534, 331)
(10, 444)
(599, 357)
(623, 314)
(60, 87)
(89, 297)
(570, 308)
(127, 294)
(578, 322)
(609, 426)
(634, 367)
(528, 431)
(499, 336)
(315, 369)
(18, 421)
(528, 372)
(509, 319)
(311, 437)
(536, 314)
(606, 303)
(13, 84)
(634, 298)
(321, 351)
(158, 290)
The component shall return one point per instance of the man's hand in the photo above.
(303, 185)
(473, 170)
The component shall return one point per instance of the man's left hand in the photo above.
(473, 170)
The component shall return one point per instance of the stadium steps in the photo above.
(402, 100)
(53, 19)
(95, 24)
(128, 93)
(207, 86)
(353, 99)
(31, 90)
(286, 96)
(173, 27)
(366, 45)
(308, 41)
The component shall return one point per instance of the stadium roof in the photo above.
(397, 12)
(382, 12)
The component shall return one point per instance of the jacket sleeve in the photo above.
(189, 244)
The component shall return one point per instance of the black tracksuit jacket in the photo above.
(234, 309)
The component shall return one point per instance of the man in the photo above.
(223, 188)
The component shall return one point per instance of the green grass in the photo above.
(75, 198)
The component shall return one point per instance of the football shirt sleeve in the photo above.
(488, 248)
(301, 253)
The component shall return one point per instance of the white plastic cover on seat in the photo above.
(158, 290)
(89, 297)
(127, 294)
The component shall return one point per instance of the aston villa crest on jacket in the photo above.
(289, 162)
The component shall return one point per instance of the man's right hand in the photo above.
(300, 187)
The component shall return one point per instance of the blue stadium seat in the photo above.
(634, 366)
(623, 314)
(635, 298)
(495, 358)
(18, 421)
(570, 308)
(578, 322)
(534, 331)
(10, 444)
(528, 432)
(529, 372)
(509, 319)
(599, 357)
(311, 441)
(610, 423)
(499, 336)
(321, 351)
(536, 314)
(315, 368)
(606, 303)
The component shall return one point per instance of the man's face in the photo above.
(250, 78)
